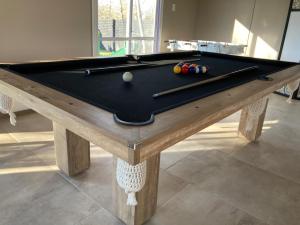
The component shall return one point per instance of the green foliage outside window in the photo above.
(296, 4)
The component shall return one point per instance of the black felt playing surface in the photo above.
(134, 102)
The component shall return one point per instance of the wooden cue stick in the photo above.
(89, 72)
(114, 68)
(94, 71)
(203, 82)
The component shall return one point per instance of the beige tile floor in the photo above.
(211, 178)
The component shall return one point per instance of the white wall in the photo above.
(258, 24)
(291, 47)
(180, 24)
(44, 29)
(267, 28)
(219, 20)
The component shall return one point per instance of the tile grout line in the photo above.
(86, 195)
(81, 220)
(187, 184)
(77, 188)
(217, 196)
(165, 169)
(262, 169)
(229, 155)
(244, 211)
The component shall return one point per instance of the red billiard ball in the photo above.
(186, 64)
(185, 69)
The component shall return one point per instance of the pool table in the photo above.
(88, 101)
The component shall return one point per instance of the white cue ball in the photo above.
(127, 77)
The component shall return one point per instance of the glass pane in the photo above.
(112, 18)
(296, 4)
(139, 47)
(112, 48)
(113, 22)
(143, 18)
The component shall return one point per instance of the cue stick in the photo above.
(203, 82)
(95, 71)
(89, 72)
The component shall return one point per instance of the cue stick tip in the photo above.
(155, 95)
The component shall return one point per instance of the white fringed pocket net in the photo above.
(255, 110)
(292, 87)
(131, 178)
(6, 106)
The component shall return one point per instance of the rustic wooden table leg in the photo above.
(252, 131)
(72, 151)
(146, 198)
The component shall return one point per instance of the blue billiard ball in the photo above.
(192, 70)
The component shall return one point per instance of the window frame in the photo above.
(129, 38)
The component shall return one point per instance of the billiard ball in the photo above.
(192, 69)
(186, 64)
(127, 77)
(197, 69)
(194, 65)
(185, 69)
(177, 69)
(204, 69)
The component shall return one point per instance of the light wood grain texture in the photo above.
(255, 132)
(72, 151)
(147, 197)
(135, 144)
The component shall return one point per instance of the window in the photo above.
(296, 4)
(126, 27)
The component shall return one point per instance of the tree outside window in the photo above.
(296, 4)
